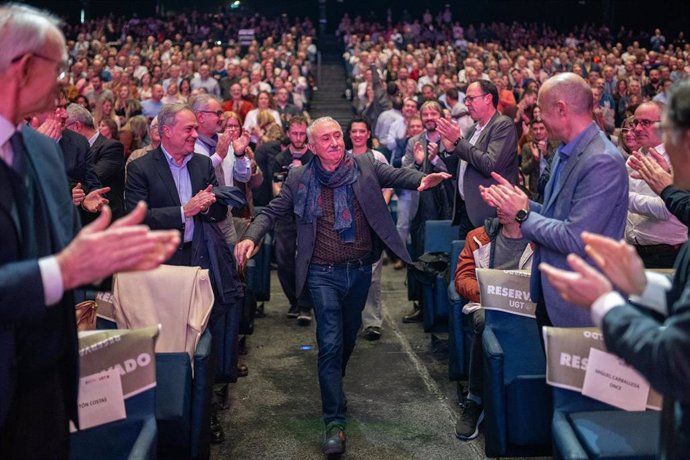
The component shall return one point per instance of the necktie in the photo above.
(17, 143)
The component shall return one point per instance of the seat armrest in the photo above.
(565, 442)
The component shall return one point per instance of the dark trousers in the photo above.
(37, 424)
(339, 294)
(285, 235)
(476, 377)
(462, 220)
(542, 317)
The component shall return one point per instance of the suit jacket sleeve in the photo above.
(111, 163)
(601, 183)
(678, 202)
(217, 211)
(390, 177)
(657, 350)
(281, 205)
(138, 189)
(498, 155)
(21, 291)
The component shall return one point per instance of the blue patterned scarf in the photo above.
(308, 200)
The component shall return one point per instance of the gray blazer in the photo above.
(592, 195)
(494, 151)
(373, 176)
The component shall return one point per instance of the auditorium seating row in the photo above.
(523, 415)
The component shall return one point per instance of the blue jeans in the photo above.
(339, 294)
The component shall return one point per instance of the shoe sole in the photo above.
(303, 321)
(334, 451)
(462, 437)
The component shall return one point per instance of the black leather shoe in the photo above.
(242, 370)
(217, 434)
(416, 316)
(372, 333)
(333, 441)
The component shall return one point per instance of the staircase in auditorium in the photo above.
(329, 100)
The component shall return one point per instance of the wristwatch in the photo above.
(521, 215)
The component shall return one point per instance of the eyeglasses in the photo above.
(63, 64)
(643, 122)
(470, 99)
(218, 113)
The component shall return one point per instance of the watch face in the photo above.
(521, 215)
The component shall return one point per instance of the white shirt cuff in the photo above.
(216, 160)
(654, 295)
(603, 304)
(52, 280)
(184, 219)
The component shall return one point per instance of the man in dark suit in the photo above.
(176, 183)
(342, 223)
(657, 343)
(107, 155)
(41, 259)
(490, 146)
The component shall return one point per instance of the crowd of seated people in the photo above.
(395, 69)
(124, 71)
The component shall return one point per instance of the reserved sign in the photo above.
(128, 352)
(100, 400)
(506, 290)
(569, 354)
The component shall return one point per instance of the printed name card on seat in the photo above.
(117, 395)
(588, 428)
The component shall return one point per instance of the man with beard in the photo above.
(426, 153)
(490, 147)
(285, 235)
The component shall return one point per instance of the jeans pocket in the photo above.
(316, 269)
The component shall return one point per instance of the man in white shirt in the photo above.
(656, 234)
(228, 157)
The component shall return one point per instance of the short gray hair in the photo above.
(23, 29)
(77, 113)
(320, 121)
(168, 113)
(200, 102)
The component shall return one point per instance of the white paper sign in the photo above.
(608, 379)
(100, 399)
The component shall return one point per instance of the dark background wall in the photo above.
(670, 15)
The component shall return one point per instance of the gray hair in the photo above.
(23, 29)
(200, 102)
(320, 121)
(167, 115)
(77, 113)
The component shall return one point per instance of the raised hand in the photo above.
(432, 180)
(94, 200)
(450, 133)
(618, 261)
(582, 286)
(199, 202)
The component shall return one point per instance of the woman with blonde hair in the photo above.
(104, 110)
(627, 141)
(133, 134)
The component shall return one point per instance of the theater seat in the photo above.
(132, 438)
(517, 415)
(183, 401)
(458, 339)
(584, 428)
(438, 236)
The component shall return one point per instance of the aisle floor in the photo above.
(401, 404)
